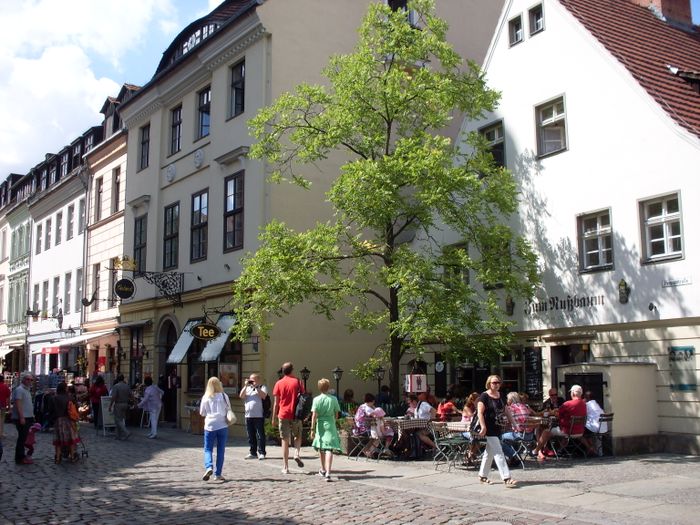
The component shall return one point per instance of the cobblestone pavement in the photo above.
(159, 481)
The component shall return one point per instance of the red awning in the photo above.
(51, 350)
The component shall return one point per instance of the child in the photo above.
(31, 438)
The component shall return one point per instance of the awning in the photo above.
(51, 350)
(80, 340)
(213, 348)
(135, 324)
(5, 350)
(180, 349)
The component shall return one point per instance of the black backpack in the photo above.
(267, 407)
(302, 409)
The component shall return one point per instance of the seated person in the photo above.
(520, 431)
(593, 424)
(553, 402)
(447, 408)
(380, 430)
(576, 406)
(422, 410)
(384, 396)
(427, 396)
(363, 422)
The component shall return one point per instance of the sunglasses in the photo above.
(495, 382)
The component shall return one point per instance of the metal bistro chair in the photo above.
(523, 446)
(568, 443)
(450, 445)
(602, 440)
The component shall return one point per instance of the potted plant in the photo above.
(272, 433)
(344, 425)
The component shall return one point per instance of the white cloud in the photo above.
(49, 90)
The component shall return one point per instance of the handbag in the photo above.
(230, 415)
(72, 411)
(302, 410)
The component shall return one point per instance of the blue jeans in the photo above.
(219, 437)
(255, 427)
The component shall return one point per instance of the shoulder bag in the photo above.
(230, 415)
(303, 404)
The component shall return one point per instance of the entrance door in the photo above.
(591, 381)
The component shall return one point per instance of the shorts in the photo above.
(556, 431)
(289, 428)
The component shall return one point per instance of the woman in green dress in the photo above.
(324, 433)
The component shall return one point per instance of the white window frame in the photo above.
(535, 22)
(499, 138)
(662, 223)
(515, 36)
(592, 241)
(551, 128)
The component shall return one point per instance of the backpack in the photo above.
(267, 407)
(302, 409)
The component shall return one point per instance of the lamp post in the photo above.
(379, 376)
(305, 373)
(337, 374)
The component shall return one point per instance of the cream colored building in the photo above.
(195, 203)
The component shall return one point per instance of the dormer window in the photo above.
(64, 165)
(515, 30)
(536, 16)
(403, 5)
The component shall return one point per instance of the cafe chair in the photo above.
(450, 446)
(523, 446)
(568, 444)
(602, 439)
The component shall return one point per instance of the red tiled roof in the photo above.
(648, 47)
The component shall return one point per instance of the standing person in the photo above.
(97, 390)
(119, 404)
(65, 433)
(324, 412)
(253, 393)
(152, 403)
(489, 406)
(213, 407)
(23, 415)
(285, 393)
(4, 404)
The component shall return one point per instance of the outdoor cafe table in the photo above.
(402, 425)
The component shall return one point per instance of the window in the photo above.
(89, 143)
(2, 306)
(64, 166)
(47, 235)
(395, 5)
(38, 238)
(204, 111)
(45, 299)
(67, 285)
(140, 244)
(69, 222)
(59, 227)
(99, 186)
(95, 287)
(175, 129)
(145, 133)
(515, 30)
(455, 267)
(551, 127)
(237, 95)
(233, 212)
(171, 235)
(116, 188)
(52, 176)
(595, 241)
(113, 275)
(200, 219)
(536, 16)
(662, 232)
(78, 289)
(135, 355)
(3, 245)
(76, 155)
(496, 142)
(35, 303)
(44, 181)
(56, 295)
(81, 216)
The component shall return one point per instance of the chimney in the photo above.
(672, 10)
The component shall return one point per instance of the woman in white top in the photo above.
(213, 407)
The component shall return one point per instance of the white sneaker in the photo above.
(207, 474)
(249, 456)
(219, 478)
(261, 456)
(328, 477)
(321, 473)
(285, 470)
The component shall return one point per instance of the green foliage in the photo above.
(382, 111)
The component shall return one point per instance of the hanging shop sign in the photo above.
(124, 288)
(205, 331)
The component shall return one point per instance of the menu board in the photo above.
(533, 372)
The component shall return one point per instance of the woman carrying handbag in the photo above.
(214, 407)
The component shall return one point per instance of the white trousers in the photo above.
(494, 451)
(153, 416)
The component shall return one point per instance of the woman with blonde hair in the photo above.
(324, 412)
(213, 407)
(489, 407)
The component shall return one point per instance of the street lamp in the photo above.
(337, 374)
(305, 373)
(379, 376)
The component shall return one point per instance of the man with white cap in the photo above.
(576, 406)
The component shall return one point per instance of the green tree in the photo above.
(377, 260)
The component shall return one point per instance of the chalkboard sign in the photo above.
(533, 373)
(107, 416)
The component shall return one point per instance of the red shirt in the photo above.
(445, 410)
(4, 395)
(96, 392)
(573, 407)
(285, 391)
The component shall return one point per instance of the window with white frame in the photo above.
(99, 187)
(47, 235)
(144, 146)
(237, 91)
(96, 287)
(199, 226)
(64, 166)
(551, 127)
(233, 212)
(662, 228)
(69, 222)
(175, 129)
(59, 228)
(45, 299)
(496, 142)
(37, 298)
(536, 18)
(116, 188)
(171, 236)
(81, 216)
(78, 289)
(140, 231)
(37, 249)
(203, 112)
(113, 278)
(595, 241)
(67, 297)
(56, 295)
(515, 30)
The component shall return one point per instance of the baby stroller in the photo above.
(81, 450)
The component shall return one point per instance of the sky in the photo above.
(61, 59)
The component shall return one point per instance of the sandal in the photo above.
(486, 481)
(510, 483)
